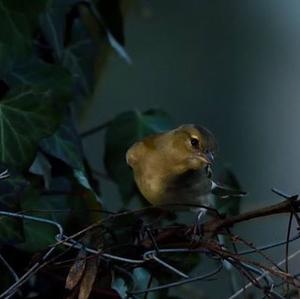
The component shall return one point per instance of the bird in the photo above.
(175, 168)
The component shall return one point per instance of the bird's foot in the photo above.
(197, 233)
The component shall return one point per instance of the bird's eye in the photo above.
(195, 142)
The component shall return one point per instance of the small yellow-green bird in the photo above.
(175, 167)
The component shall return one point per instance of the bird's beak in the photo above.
(207, 158)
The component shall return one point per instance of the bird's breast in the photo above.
(189, 188)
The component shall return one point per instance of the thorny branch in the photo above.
(178, 239)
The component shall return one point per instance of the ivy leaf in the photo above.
(11, 190)
(123, 131)
(30, 8)
(142, 277)
(84, 182)
(112, 18)
(113, 22)
(119, 285)
(37, 73)
(11, 230)
(17, 22)
(26, 116)
(65, 144)
(79, 60)
(39, 235)
(15, 38)
(52, 23)
(108, 14)
(42, 167)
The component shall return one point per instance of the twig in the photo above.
(287, 249)
(235, 295)
(227, 254)
(269, 246)
(214, 226)
(158, 245)
(257, 250)
(9, 267)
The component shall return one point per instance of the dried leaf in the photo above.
(76, 271)
(88, 279)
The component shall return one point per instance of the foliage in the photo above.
(47, 55)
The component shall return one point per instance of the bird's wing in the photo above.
(224, 191)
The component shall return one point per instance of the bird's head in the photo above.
(188, 147)
(194, 146)
(160, 160)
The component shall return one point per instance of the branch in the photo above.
(214, 226)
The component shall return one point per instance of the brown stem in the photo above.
(213, 226)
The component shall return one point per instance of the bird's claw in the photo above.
(4, 174)
(197, 229)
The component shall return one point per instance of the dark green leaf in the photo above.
(26, 116)
(112, 18)
(17, 22)
(37, 73)
(123, 131)
(142, 277)
(38, 235)
(82, 179)
(30, 8)
(120, 286)
(42, 167)
(15, 37)
(79, 59)
(65, 145)
(52, 23)
(71, 210)
(11, 230)
(109, 15)
(11, 190)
